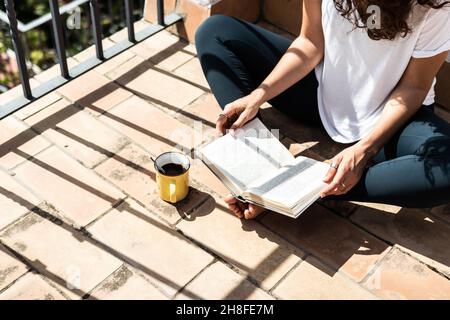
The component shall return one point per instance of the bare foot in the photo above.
(243, 210)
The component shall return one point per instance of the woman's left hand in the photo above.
(346, 171)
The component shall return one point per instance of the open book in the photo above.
(258, 169)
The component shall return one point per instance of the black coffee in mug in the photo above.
(172, 169)
(172, 176)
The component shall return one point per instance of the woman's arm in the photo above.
(300, 59)
(403, 103)
(302, 56)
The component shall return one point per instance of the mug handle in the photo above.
(173, 191)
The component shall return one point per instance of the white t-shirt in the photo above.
(358, 74)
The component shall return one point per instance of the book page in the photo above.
(291, 184)
(252, 152)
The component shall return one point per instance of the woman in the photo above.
(364, 74)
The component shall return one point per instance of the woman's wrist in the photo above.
(259, 95)
(368, 148)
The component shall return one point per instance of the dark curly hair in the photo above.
(394, 15)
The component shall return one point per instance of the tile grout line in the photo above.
(217, 257)
(9, 285)
(30, 268)
(127, 143)
(434, 269)
(33, 114)
(148, 279)
(82, 232)
(6, 227)
(131, 142)
(193, 57)
(310, 254)
(42, 135)
(132, 263)
(359, 227)
(69, 155)
(17, 256)
(24, 161)
(47, 280)
(174, 114)
(84, 228)
(135, 272)
(287, 274)
(395, 245)
(170, 74)
(197, 275)
(45, 201)
(88, 294)
(19, 181)
(376, 267)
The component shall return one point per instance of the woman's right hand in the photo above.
(239, 112)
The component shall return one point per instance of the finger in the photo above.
(221, 123)
(243, 206)
(335, 184)
(230, 199)
(348, 186)
(243, 118)
(253, 211)
(340, 191)
(332, 188)
(232, 203)
(236, 210)
(332, 171)
(330, 175)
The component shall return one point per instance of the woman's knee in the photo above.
(212, 27)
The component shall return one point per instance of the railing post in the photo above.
(96, 29)
(58, 32)
(18, 49)
(160, 11)
(129, 7)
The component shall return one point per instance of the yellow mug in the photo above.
(172, 176)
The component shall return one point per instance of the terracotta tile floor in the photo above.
(80, 217)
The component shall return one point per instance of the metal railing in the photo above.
(101, 55)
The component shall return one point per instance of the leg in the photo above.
(413, 170)
(237, 56)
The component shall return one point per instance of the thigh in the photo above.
(260, 51)
(420, 136)
(237, 56)
(413, 170)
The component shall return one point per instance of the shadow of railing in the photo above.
(299, 226)
(83, 235)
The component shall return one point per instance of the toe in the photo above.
(253, 211)
(230, 199)
(236, 210)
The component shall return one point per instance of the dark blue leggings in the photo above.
(412, 170)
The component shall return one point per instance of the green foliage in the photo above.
(39, 43)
